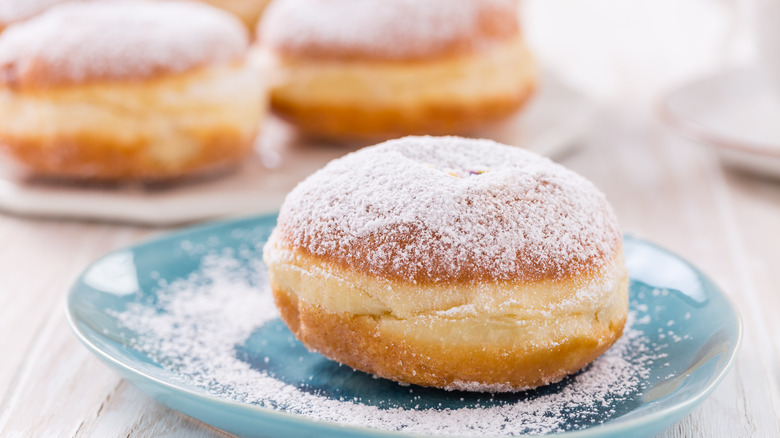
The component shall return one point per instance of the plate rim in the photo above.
(612, 426)
(702, 134)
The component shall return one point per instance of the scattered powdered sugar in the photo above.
(204, 330)
(119, 40)
(385, 28)
(441, 209)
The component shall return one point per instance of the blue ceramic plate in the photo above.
(678, 312)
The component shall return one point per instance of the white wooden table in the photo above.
(663, 188)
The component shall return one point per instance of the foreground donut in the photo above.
(454, 263)
(381, 68)
(128, 90)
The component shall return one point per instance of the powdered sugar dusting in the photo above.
(119, 40)
(12, 11)
(218, 330)
(385, 28)
(400, 209)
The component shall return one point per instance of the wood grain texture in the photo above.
(663, 188)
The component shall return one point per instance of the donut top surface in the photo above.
(84, 42)
(12, 11)
(449, 209)
(386, 29)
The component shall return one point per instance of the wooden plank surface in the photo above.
(663, 188)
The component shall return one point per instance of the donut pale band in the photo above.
(453, 263)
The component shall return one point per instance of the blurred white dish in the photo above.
(550, 123)
(736, 111)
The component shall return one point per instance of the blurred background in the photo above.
(671, 107)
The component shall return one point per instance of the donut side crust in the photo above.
(364, 343)
(373, 100)
(187, 124)
(338, 121)
(85, 158)
(486, 337)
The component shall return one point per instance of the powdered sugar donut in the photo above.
(367, 68)
(449, 262)
(128, 90)
(14, 11)
(248, 11)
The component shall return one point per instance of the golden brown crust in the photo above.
(91, 159)
(352, 122)
(528, 266)
(361, 342)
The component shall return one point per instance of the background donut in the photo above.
(128, 90)
(385, 68)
